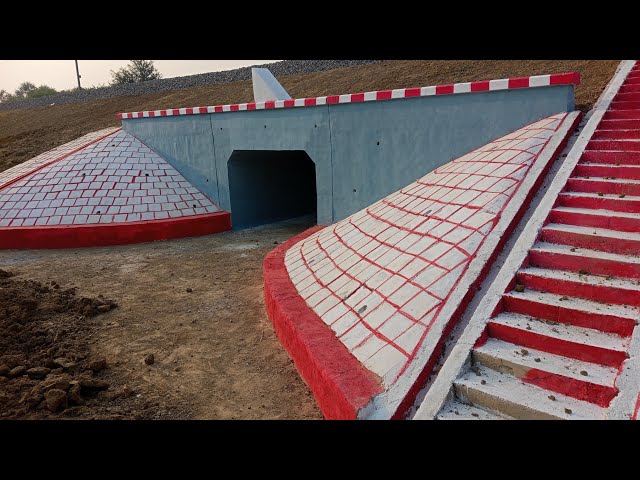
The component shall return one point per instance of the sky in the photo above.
(61, 74)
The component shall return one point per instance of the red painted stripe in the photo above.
(580, 351)
(289, 103)
(570, 316)
(251, 106)
(575, 263)
(203, 110)
(444, 89)
(98, 235)
(582, 390)
(176, 111)
(383, 95)
(120, 116)
(337, 379)
(189, 111)
(217, 108)
(519, 82)
(234, 108)
(412, 92)
(152, 113)
(481, 86)
(635, 411)
(333, 99)
(565, 78)
(163, 113)
(309, 102)
(357, 97)
(590, 291)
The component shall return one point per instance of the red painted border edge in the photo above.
(339, 382)
(103, 234)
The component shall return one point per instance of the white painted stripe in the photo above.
(279, 103)
(398, 93)
(182, 111)
(298, 102)
(259, 105)
(501, 84)
(321, 100)
(226, 108)
(461, 87)
(368, 96)
(427, 91)
(157, 113)
(242, 106)
(211, 109)
(345, 98)
(540, 81)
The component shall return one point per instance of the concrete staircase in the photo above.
(554, 347)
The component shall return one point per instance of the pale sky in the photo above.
(61, 74)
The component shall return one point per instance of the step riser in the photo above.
(596, 186)
(625, 124)
(632, 81)
(575, 263)
(622, 224)
(625, 105)
(604, 323)
(629, 172)
(606, 203)
(501, 405)
(621, 158)
(581, 390)
(632, 88)
(592, 242)
(627, 97)
(616, 134)
(622, 114)
(598, 293)
(613, 145)
(579, 351)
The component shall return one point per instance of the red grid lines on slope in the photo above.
(18, 172)
(379, 278)
(569, 78)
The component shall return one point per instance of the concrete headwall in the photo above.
(362, 151)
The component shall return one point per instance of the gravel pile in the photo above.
(285, 67)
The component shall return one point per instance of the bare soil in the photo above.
(195, 304)
(26, 133)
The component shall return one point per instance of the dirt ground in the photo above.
(28, 132)
(195, 304)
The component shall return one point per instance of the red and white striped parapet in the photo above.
(571, 78)
(364, 305)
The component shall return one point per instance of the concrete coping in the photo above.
(568, 78)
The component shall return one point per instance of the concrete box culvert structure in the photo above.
(364, 146)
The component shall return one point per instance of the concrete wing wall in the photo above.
(362, 151)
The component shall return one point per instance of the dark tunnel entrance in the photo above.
(267, 186)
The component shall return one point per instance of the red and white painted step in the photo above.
(554, 347)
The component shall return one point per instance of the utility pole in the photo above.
(78, 74)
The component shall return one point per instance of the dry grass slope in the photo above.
(28, 132)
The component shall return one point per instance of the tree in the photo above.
(136, 71)
(41, 91)
(24, 89)
(5, 96)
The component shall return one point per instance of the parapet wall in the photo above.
(364, 146)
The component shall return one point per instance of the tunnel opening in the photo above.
(268, 186)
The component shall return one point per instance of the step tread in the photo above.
(585, 252)
(510, 353)
(531, 397)
(456, 410)
(601, 232)
(606, 180)
(586, 279)
(597, 211)
(631, 198)
(563, 331)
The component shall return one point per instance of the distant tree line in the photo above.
(26, 90)
(136, 71)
